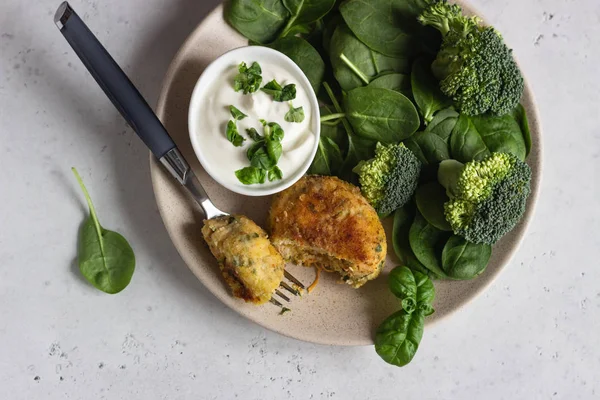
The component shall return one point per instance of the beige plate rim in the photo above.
(157, 177)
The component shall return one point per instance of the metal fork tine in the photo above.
(283, 296)
(293, 279)
(273, 301)
(289, 288)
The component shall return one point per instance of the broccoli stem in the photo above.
(355, 69)
(448, 174)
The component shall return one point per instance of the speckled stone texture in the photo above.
(532, 335)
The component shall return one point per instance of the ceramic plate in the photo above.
(334, 313)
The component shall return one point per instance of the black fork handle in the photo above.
(111, 78)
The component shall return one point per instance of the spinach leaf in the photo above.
(500, 134)
(354, 64)
(331, 24)
(474, 138)
(251, 175)
(430, 199)
(425, 292)
(105, 257)
(381, 114)
(397, 82)
(274, 150)
(254, 148)
(273, 131)
(328, 159)
(334, 131)
(275, 174)
(358, 148)
(236, 114)
(386, 26)
(233, 135)
(304, 12)
(402, 285)
(295, 114)
(520, 115)
(465, 142)
(397, 338)
(305, 56)
(286, 93)
(426, 90)
(429, 148)
(258, 20)
(254, 135)
(443, 123)
(403, 219)
(261, 158)
(465, 260)
(426, 242)
(249, 79)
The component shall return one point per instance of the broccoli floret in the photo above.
(474, 66)
(389, 180)
(487, 198)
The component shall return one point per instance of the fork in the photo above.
(138, 114)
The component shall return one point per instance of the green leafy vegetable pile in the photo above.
(407, 88)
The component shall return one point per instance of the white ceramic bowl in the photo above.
(198, 132)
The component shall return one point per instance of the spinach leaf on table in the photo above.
(426, 90)
(430, 199)
(403, 219)
(105, 257)
(520, 115)
(429, 148)
(398, 337)
(381, 114)
(474, 138)
(305, 56)
(425, 292)
(464, 260)
(259, 20)
(426, 242)
(386, 26)
(304, 12)
(354, 64)
(401, 282)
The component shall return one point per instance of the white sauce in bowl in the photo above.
(209, 115)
